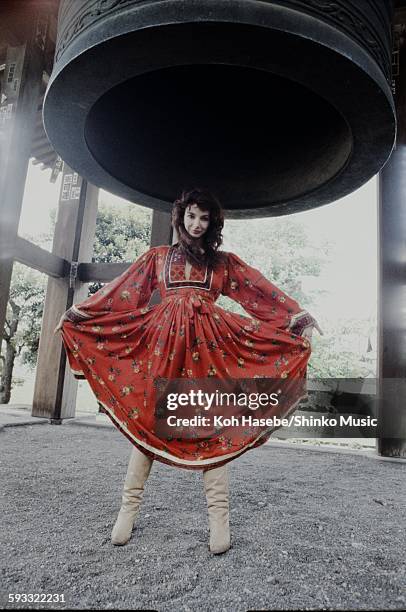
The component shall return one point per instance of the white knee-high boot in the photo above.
(138, 471)
(217, 495)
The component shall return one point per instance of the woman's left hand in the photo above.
(308, 331)
(62, 320)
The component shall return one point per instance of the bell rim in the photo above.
(333, 189)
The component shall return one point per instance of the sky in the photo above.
(350, 224)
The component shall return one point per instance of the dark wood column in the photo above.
(55, 387)
(392, 268)
(161, 230)
(18, 107)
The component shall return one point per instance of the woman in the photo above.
(131, 353)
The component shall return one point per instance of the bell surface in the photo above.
(276, 107)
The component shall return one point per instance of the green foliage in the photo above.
(121, 235)
(26, 305)
(281, 249)
(342, 351)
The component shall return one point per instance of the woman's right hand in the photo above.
(62, 320)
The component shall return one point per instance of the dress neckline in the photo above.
(175, 271)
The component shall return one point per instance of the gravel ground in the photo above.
(311, 530)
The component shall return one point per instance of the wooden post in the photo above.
(392, 258)
(18, 108)
(55, 387)
(161, 230)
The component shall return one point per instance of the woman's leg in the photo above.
(217, 495)
(137, 474)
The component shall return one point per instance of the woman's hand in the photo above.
(308, 331)
(62, 320)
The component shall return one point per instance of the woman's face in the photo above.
(196, 221)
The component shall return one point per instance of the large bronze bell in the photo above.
(277, 106)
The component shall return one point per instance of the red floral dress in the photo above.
(125, 348)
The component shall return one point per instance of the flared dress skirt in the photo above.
(134, 355)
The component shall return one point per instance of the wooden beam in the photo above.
(101, 272)
(35, 257)
(55, 387)
(392, 274)
(21, 90)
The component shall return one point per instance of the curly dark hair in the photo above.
(213, 237)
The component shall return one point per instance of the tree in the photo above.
(23, 324)
(121, 235)
(345, 351)
(281, 249)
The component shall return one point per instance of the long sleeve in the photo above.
(261, 299)
(131, 290)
